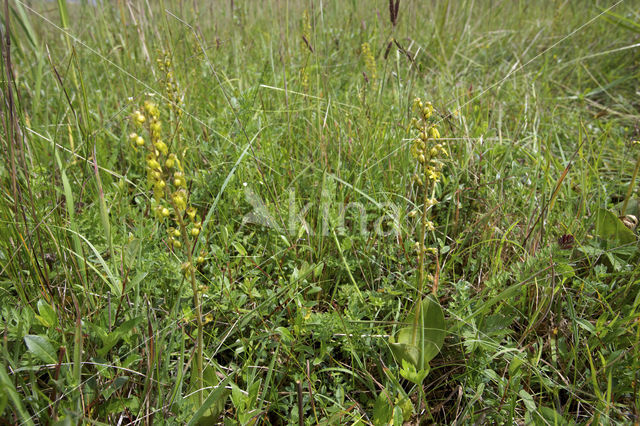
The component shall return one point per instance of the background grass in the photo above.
(538, 104)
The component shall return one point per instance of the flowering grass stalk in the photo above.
(165, 176)
(428, 151)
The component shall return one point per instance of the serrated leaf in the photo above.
(41, 348)
(383, 410)
(410, 372)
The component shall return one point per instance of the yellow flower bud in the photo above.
(179, 199)
(138, 117)
(149, 106)
(165, 212)
(139, 141)
(162, 147)
(155, 127)
(434, 133)
(195, 232)
(153, 164)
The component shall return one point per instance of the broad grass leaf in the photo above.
(203, 415)
(610, 228)
(422, 340)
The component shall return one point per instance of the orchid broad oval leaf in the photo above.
(422, 339)
(610, 228)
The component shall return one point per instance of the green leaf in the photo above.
(219, 392)
(422, 340)
(120, 332)
(410, 373)
(551, 417)
(47, 316)
(285, 334)
(398, 416)
(23, 21)
(41, 348)
(4, 400)
(527, 399)
(382, 410)
(241, 250)
(6, 384)
(117, 405)
(610, 228)
(565, 270)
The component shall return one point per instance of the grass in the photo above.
(291, 120)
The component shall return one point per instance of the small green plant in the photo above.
(428, 151)
(632, 182)
(417, 344)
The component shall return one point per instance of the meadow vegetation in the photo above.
(319, 212)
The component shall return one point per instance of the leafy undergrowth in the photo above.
(213, 213)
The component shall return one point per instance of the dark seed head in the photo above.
(566, 241)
